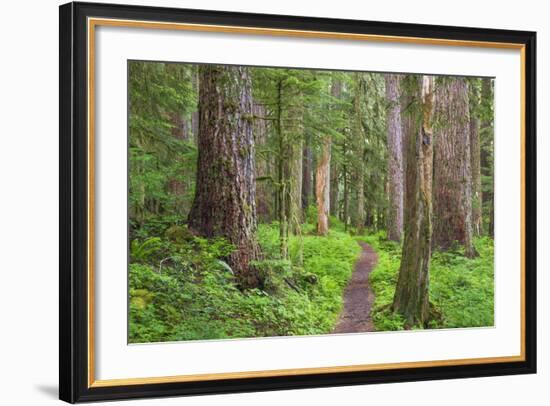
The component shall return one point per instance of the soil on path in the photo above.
(358, 295)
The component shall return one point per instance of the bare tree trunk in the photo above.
(345, 174)
(323, 181)
(293, 129)
(281, 176)
(408, 86)
(395, 158)
(475, 152)
(307, 181)
(322, 187)
(412, 292)
(336, 92)
(263, 188)
(176, 186)
(334, 187)
(452, 167)
(486, 156)
(224, 202)
(359, 138)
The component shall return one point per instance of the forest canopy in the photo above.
(278, 202)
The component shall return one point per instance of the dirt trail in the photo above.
(358, 295)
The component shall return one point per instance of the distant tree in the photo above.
(307, 173)
(486, 133)
(475, 153)
(358, 131)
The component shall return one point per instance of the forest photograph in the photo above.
(268, 202)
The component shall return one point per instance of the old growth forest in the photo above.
(278, 202)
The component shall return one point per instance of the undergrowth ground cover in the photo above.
(461, 289)
(181, 288)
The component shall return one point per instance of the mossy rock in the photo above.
(178, 234)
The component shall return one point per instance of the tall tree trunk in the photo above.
(359, 141)
(307, 176)
(322, 187)
(408, 86)
(263, 188)
(452, 167)
(412, 291)
(224, 203)
(281, 175)
(475, 152)
(294, 136)
(336, 92)
(176, 186)
(486, 156)
(395, 158)
(322, 176)
(334, 186)
(345, 175)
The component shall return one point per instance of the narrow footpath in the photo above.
(358, 295)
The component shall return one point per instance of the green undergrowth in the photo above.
(461, 289)
(181, 288)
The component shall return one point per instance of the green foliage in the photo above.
(141, 251)
(461, 289)
(193, 295)
(181, 286)
(161, 101)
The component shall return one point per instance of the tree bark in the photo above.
(322, 187)
(307, 176)
(486, 155)
(176, 186)
(263, 188)
(224, 204)
(452, 167)
(336, 92)
(409, 94)
(395, 158)
(322, 176)
(475, 152)
(412, 291)
(359, 141)
(282, 189)
(294, 136)
(345, 175)
(334, 186)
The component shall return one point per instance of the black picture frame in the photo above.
(73, 283)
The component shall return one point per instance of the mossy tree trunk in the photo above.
(409, 97)
(486, 159)
(475, 153)
(395, 158)
(282, 186)
(453, 170)
(322, 187)
(294, 136)
(359, 148)
(336, 93)
(224, 204)
(411, 298)
(323, 173)
(264, 187)
(307, 175)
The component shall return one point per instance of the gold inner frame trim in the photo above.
(94, 22)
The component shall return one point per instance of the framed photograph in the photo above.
(257, 202)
